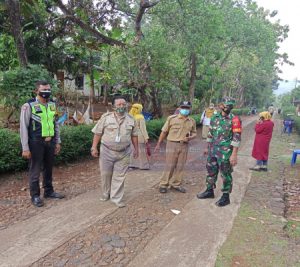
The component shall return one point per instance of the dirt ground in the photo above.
(266, 231)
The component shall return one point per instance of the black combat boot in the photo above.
(224, 200)
(208, 193)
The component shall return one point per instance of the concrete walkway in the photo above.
(191, 239)
(24, 243)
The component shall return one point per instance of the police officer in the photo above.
(116, 131)
(223, 140)
(179, 130)
(40, 140)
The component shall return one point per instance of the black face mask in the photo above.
(226, 110)
(45, 94)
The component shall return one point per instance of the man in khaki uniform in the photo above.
(116, 131)
(179, 130)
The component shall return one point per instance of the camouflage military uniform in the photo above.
(224, 134)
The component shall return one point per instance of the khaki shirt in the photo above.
(178, 127)
(116, 134)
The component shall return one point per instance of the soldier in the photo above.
(223, 140)
(115, 130)
(39, 132)
(179, 130)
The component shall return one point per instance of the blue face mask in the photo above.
(184, 112)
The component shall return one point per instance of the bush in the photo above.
(240, 111)
(154, 127)
(76, 142)
(10, 152)
(297, 124)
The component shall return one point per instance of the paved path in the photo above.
(193, 237)
(26, 242)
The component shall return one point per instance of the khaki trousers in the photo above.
(176, 154)
(205, 129)
(113, 168)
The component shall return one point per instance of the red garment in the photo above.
(262, 140)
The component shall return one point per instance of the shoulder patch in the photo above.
(236, 124)
(25, 107)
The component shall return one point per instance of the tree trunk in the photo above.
(92, 88)
(13, 7)
(193, 77)
(142, 95)
(157, 111)
(105, 93)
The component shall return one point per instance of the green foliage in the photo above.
(224, 37)
(240, 111)
(292, 228)
(8, 53)
(288, 110)
(18, 85)
(154, 128)
(297, 124)
(10, 152)
(76, 142)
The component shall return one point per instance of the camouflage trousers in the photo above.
(213, 166)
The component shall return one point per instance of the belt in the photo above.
(47, 139)
(181, 142)
(115, 150)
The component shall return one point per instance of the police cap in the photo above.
(186, 104)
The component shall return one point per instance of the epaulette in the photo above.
(173, 116)
(106, 114)
(129, 115)
(31, 100)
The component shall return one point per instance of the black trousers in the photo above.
(42, 159)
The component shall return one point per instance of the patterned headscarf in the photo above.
(266, 115)
(136, 111)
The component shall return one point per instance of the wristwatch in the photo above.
(92, 149)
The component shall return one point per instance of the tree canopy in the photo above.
(162, 51)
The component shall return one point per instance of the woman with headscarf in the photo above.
(142, 162)
(263, 129)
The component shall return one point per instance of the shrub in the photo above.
(76, 142)
(240, 111)
(10, 152)
(154, 128)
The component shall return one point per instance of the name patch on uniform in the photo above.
(37, 109)
(52, 108)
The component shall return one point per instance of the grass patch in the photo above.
(292, 228)
(252, 241)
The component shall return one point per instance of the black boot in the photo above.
(208, 193)
(224, 200)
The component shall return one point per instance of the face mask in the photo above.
(226, 110)
(121, 110)
(45, 94)
(184, 112)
